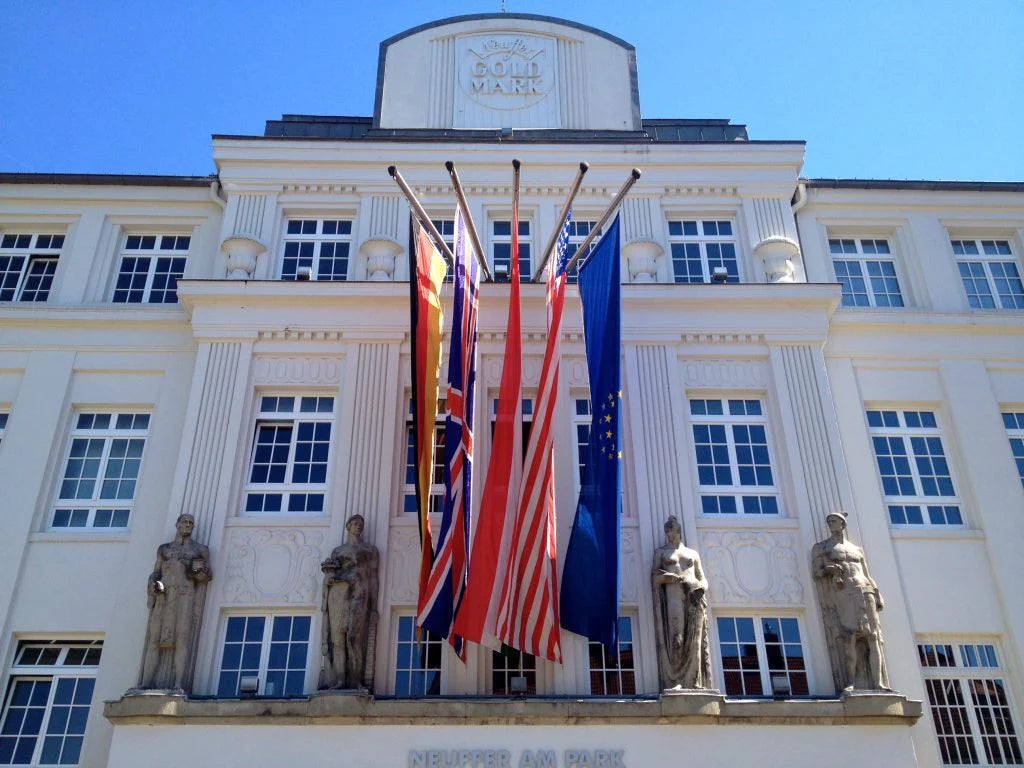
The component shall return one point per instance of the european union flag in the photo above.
(590, 580)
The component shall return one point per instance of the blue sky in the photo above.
(898, 89)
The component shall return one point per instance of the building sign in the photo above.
(505, 78)
(527, 758)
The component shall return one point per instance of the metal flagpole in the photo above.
(468, 217)
(633, 176)
(515, 181)
(546, 253)
(422, 217)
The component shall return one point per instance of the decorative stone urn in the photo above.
(642, 260)
(777, 254)
(242, 251)
(380, 255)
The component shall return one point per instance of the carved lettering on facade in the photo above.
(316, 371)
(507, 72)
(269, 566)
(752, 567)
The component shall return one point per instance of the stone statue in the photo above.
(850, 603)
(349, 604)
(177, 592)
(680, 613)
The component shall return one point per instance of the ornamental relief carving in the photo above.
(576, 371)
(724, 374)
(752, 567)
(629, 566)
(273, 566)
(315, 371)
(403, 564)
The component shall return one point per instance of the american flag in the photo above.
(447, 581)
(528, 616)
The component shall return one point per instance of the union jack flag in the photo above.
(450, 570)
(528, 616)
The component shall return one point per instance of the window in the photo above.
(501, 250)
(509, 663)
(700, 246)
(98, 485)
(526, 408)
(47, 702)
(151, 266)
(417, 661)
(273, 649)
(578, 232)
(446, 228)
(1014, 421)
(3, 426)
(916, 480)
(734, 469)
(762, 656)
(290, 452)
(437, 475)
(867, 271)
(581, 421)
(613, 675)
(989, 273)
(27, 266)
(969, 703)
(320, 246)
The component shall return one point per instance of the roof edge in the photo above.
(916, 184)
(107, 179)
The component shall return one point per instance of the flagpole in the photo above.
(421, 216)
(468, 217)
(633, 177)
(546, 253)
(515, 183)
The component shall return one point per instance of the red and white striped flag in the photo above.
(528, 612)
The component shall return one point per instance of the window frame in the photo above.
(526, 667)
(33, 254)
(154, 255)
(408, 489)
(576, 239)
(52, 673)
(1013, 421)
(428, 642)
(293, 419)
(985, 260)
(621, 672)
(93, 505)
(493, 239)
(701, 240)
(4, 416)
(737, 491)
(863, 258)
(765, 672)
(265, 647)
(317, 238)
(960, 676)
(927, 505)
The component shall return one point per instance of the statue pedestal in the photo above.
(155, 692)
(691, 701)
(860, 702)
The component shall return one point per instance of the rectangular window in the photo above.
(102, 468)
(1014, 422)
(916, 479)
(867, 272)
(501, 250)
(3, 426)
(970, 706)
(48, 699)
(508, 663)
(437, 476)
(990, 274)
(698, 246)
(316, 249)
(417, 661)
(614, 675)
(27, 265)
(526, 407)
(581, 421)
(290, 453)
(446, 228)
(264, 656)
(734, 468)
(578, 232)
(762, 656)
(151, 266)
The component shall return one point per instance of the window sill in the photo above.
(952, 533)
(708, 708)
(92, 537)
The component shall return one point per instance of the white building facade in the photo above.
(865, 354)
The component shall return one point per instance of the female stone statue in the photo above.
(177, 591)
(850, 603)
(680, 613)
(350, 611)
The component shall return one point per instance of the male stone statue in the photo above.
(850, 603)
(350, 611)
(177, 591)
(680, 613)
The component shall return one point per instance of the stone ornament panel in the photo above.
(273, 566)
(403, 564)
(725, 374)
(291, 371)
(752, 567)
(631, 571)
